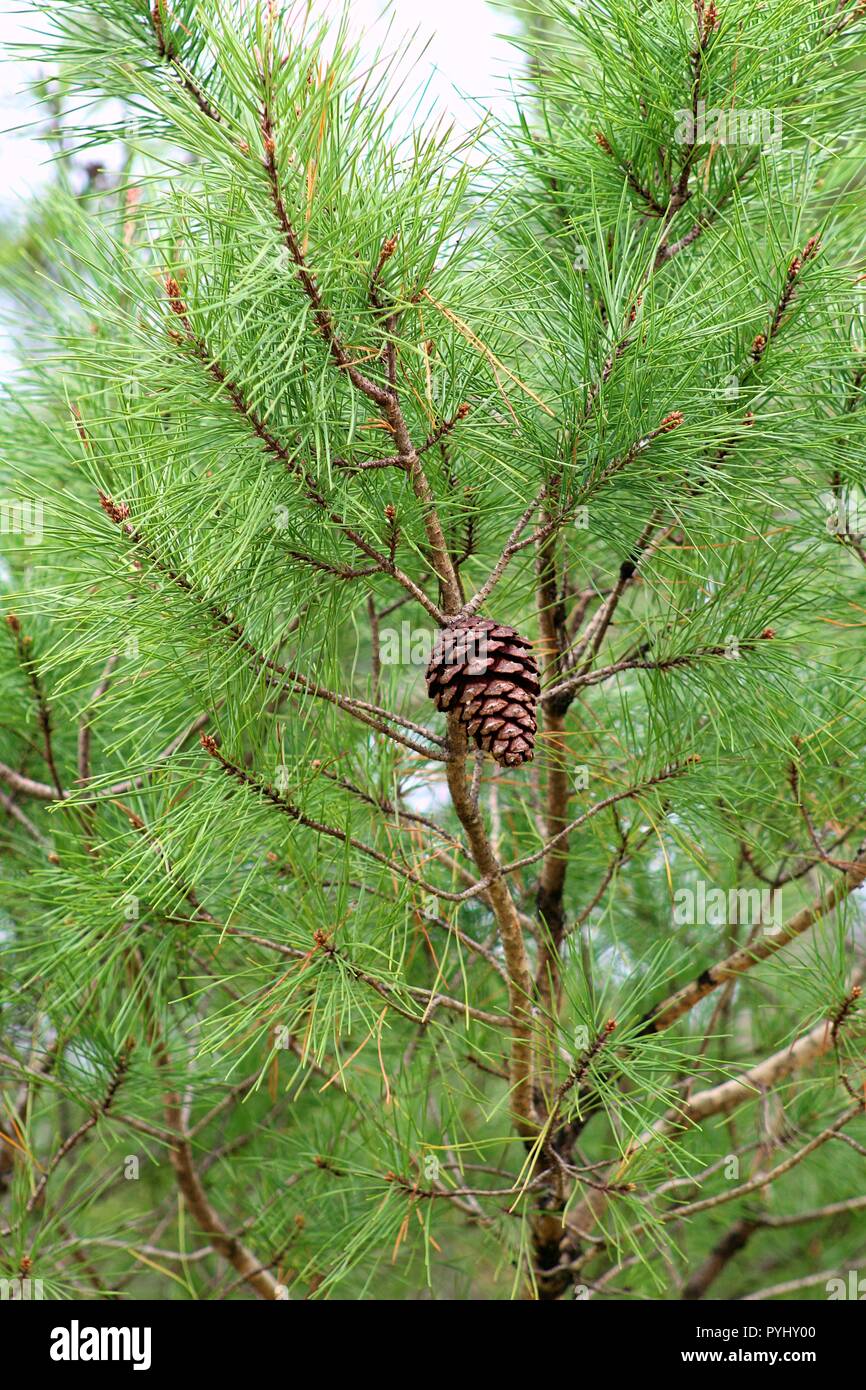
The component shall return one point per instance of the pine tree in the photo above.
(316, 981)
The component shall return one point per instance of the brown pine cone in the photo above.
(485, 672)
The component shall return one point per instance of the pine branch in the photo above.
(201, 1209)
(642, 663)
(512, 547)
(807, 1281)
(386, 398)
(361, 710)
(84, 726)
(41, 791)
(14, 810)
(432, 999)
(510, 932)
(118, 1076)
(24, 650)
(653, 207)
(288, 808)
(581, 1221)
(743, 960)
(631, 793)
(281, 451)
(159, 18)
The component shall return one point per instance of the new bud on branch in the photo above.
(485, 673)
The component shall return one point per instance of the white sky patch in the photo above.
(466, 54)
(465, 62)
(22, 156)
